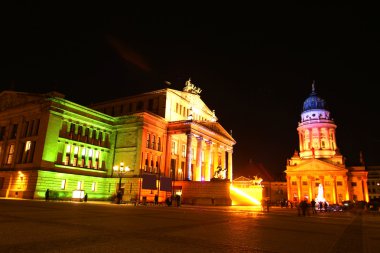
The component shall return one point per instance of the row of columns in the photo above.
(331, 141)
(205, 173)
(311, 182)
(335, 200)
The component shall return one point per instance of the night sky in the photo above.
(255, 64)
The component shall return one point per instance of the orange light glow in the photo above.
(251, 197)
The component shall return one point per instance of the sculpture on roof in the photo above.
(220, 173)
(191, 88)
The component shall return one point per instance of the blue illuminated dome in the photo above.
(314, 102)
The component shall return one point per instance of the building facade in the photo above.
(373, 182)
(318, 170)
(48, 142)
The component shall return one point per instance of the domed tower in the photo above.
(318, 171)
(317, 129)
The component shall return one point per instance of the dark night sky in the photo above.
(255, 64)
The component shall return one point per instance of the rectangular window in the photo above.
(159, 144)
(36, 127)
(327, 183)
(304, 182)
(26, 154)
(63, 184)
(93, 186)
(79, 185)
(294, 183)
(11, 151)
(140, 105)
(13, 132)
(153, 142)
(148, 140)
(339, 183)
(2, 132)
(174, 147)
(25, 130)
(183, 153)
(150, 105)
(76, 150)
(353, 184)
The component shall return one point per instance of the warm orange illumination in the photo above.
(248, 197)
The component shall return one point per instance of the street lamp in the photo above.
(120, 171)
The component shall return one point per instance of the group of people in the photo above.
(303, 207)
(177, 198)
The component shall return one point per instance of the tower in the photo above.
(317, 129)
(318, 171)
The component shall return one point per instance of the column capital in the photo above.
(208, 142)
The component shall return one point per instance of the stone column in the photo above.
(223, 158)
(207, 170)
(365, 189)
(334, 190)
(300, 136)
(188, 175)
(288, 185)
(229, 168)
(348, 197)
(299, 188)
(311, 196)
(323, 185)
(215, 160)
(198, 170)
(311, 138)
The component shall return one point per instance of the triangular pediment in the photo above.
(10, 99)
(242, 179)
(215, 127)
(317, 165)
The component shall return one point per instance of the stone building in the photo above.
(318, 170)
(48, 142)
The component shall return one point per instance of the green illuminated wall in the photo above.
(105, 187)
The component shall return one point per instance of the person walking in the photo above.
(47, 193)
(178, 198)
(313, 206)
(85, 197)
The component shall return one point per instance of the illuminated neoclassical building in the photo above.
(318, 170)
(48, 142)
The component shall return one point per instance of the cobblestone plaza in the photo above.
(38, 226)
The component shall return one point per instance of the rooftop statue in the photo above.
(191, 88)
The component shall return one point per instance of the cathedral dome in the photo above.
(314, 102)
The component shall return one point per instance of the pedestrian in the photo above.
(178, 198)
(156, 199)
(119, 197)
(313, 206)
(303, 207)
(262, 204)
(268, 204)
(298, 205)
(320, 206)
(47, 195)
(325, 206)
(85, 197)
(168, 201)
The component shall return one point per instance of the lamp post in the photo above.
(120, 171)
